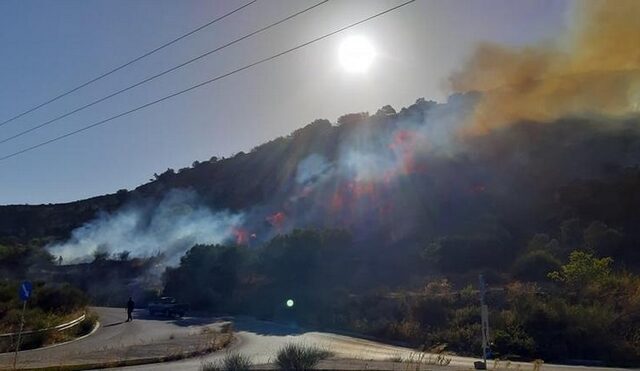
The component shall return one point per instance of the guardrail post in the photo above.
(15, 356)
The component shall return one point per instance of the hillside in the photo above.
(405, 177)
(379, 224)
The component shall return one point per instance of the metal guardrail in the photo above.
(61, 327)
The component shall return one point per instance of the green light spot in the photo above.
(290, 303)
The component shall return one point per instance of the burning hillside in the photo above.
(431, 169)
(384, 177)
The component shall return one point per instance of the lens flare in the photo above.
(290, 303)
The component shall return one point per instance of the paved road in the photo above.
(116, 340)
(261, 340)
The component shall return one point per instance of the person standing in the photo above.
(130, 307)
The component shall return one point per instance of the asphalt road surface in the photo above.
(116, 340)
(259, 340)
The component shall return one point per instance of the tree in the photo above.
(535, 265)
(582, 269)
(207, 276)
(124, 255)
(570, 231)
(101, 254)
(459, 253)
(599, 238)
(308, 265)
(386, 111)
(543, 242)
(353, 118)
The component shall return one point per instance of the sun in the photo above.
(356, 54)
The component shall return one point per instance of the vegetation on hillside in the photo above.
(581, 308)
(381, 223)
(50, 305)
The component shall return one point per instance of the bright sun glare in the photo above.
(356, 54)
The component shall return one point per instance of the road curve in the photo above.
(117, 340)
(259, 340)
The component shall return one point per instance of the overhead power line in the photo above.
(67, 114)
(132, 61)
(206, 82)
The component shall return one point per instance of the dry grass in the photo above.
(416, 360)
(231, 362)
(42, 339)
(537, 364)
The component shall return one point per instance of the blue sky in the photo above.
(51, 46)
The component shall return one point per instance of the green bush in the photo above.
(583, 269)
(298, 357)
(513, 340)
(461, 339)
(64, 299)
(49, 306)
(535, 266)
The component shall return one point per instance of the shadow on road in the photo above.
(114, 324)
(179, 321)
(240, 323)
(266, 328)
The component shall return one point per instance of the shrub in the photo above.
(297, 357)
(582, 269)
(431, 312)
(513, 340)
(458, 339)
(63, 300)
(230, 362)
(535, 265)
(87, 324)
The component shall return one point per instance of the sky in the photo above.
(49, 47)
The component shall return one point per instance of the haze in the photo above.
(50, 47)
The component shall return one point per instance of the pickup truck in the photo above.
(167, 306)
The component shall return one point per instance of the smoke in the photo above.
(405, 172)
(169, 227)
(312, 169)
(593, 69)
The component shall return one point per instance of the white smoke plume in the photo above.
(312, 168)
(345, 190)
(145, 229)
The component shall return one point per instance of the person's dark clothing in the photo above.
(130, 306)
